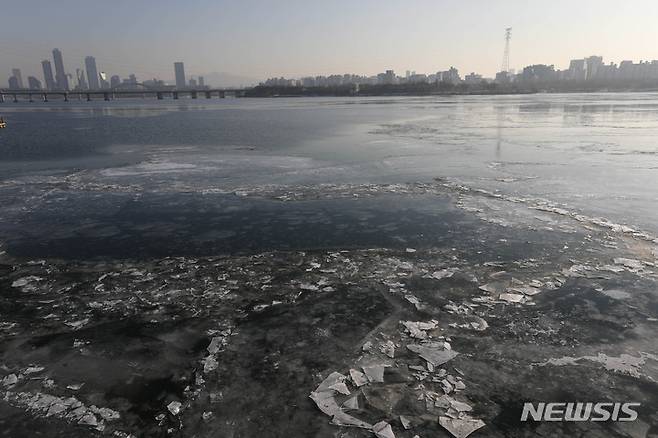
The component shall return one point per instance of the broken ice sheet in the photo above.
(383, 430)
(444, 273)
(414, 300)
(174, 407)
(78, 324)
(418, 329)
(374, 373)
(340, 387)
(9, 380)
(433, 353)
(331, 380)
(215, 344)
(323, 397)
(388, 348)
(461, 427)
(494, 288)
(511, 298)
(210, 364)
(358, 377)
(629, 263)
(525, 290)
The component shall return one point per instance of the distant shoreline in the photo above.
(428, 90)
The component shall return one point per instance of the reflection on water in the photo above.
(579, 150)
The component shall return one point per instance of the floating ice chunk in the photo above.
(479, 324)
(343, 419)
(210, 364)
(88, 419)
(493, 288)
(444, 273)
(433, 353)
(460, 406)
(358, 377)
(331, 379)
(9, 380)
(388, 348)
(383, 430)
(414, 300)
(351, 403)
(629, 263)
(215, 345)
(511, 298)
(27, 283)
(78, 324)
(374, 373)
(526, 290)
(461, 427)
(324, 399)
(33, 370)
(174, 407)
(418, 329)
(340, 387)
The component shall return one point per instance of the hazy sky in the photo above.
(262, 38)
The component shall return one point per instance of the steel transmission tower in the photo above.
(508, 37)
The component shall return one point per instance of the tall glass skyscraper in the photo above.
(48, 74)
(179, 69)
(19, 77)
(92, 73)
(60, 74)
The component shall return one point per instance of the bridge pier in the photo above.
(175, 94)
(159, 95)
(193, 94)
(45, 97)
(15, 98)
(106, 96)
(208, 95)
(66, 97)
(2, 98)
(30, 98)
(222, 94)
(88, 97)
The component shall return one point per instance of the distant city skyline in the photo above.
(257, 39)
(590, 68)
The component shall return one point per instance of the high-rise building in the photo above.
(179, 69)
(33, 83)
(103, 79)
(92, 73)
(80, 79)
(202, 82)
(593, 65)
(19, 78)
(577, 70)
(48, 75)
(13, 83)
(60, 74)
(449, 76)
(115, 81)
(193, 83)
